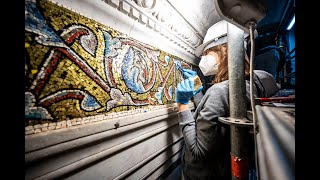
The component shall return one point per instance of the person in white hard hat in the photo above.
(206, 152)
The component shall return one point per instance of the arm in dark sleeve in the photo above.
(205, 134)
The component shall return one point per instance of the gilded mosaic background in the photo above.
(76, 67)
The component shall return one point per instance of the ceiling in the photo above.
(202, 14)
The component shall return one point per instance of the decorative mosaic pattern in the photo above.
(76, 67)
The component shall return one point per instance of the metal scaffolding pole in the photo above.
(237, 100)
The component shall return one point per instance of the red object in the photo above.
(277, 99)
(240, 167)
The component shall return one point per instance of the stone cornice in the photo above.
(156, 23)
(161, 17)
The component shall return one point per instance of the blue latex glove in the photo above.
(185, 90)
(188, 73)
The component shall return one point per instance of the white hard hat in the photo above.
(216, 35)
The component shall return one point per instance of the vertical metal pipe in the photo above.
(238, 107)
(237, 89)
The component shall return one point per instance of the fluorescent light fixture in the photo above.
(291, 23)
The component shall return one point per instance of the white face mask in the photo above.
(208, 65)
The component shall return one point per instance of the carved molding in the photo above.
(161, 17)
(85, 146)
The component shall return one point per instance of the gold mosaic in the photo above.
(76, 67)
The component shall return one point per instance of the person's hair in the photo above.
(222, 73)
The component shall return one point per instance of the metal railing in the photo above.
(276, 143)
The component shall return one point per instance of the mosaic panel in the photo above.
(76, 67)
